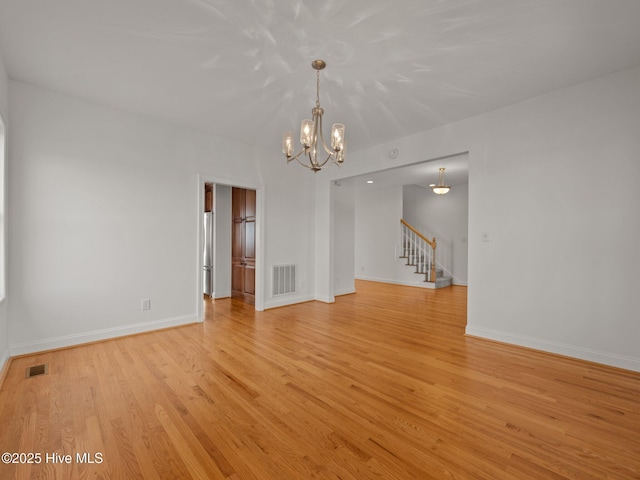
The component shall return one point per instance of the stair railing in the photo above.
(419, 251)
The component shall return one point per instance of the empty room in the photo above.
(331, 240)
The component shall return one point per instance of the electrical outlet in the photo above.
(146, 304)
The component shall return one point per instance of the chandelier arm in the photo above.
(295, 157)
(303, 164)
(317, 126)
(320, 165)
(313, 160)
(324, 145)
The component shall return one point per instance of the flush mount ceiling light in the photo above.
(311, 135)
(441, 188)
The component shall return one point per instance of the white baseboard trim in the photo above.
(98, 335)
(5, 356)
(283, 302)
(398, 282)
(325, 298)
(287, 300)
(4, 365)
(344, 291)
(574, 351)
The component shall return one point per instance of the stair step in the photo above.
(439, 273)
(442, 282)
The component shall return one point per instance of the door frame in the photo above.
(202, 179)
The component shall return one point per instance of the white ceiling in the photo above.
(241, 69)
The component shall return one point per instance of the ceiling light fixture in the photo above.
(311, 135)
(441, 188)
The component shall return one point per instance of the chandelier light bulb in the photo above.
(287, 144)
(306, 130)
(337, 136)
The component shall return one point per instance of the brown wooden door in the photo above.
(243, 249)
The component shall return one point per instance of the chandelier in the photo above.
(441, 188)
(311, 136)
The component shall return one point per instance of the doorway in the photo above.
(221, 203)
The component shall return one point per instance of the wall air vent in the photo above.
(284, 280)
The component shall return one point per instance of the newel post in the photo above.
(433, 260)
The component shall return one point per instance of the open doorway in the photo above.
(216, 252)
(216, 226)
(370, 206)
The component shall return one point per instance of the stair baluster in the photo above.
(419, 252)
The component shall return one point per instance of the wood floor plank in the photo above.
(383, 384)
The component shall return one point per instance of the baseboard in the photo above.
(98, 335)
(5, 363)
(325, 298)
(287, 300)
(418, 284)
(344, 291)
(573, 351)
(283, 302)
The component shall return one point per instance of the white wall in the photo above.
(444, 217)
(344, 237)
(377, 237)
(289, 225)
(4, 113)
(554, 184)
(107, 209)
(104, 209)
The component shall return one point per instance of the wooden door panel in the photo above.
(250, 205)
(237, 247)
(243, 244)
(250, 241)
(237, 203)
(237, 278)
(249, 280)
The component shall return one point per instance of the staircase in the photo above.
(420, 253)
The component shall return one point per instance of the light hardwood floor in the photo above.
(382, 384)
